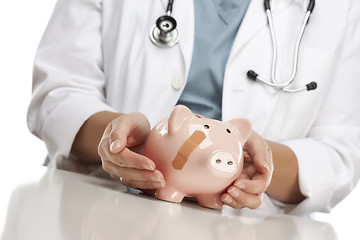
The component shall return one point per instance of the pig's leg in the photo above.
(210, 201)
(169, 194)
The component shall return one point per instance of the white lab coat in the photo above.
(96, 55)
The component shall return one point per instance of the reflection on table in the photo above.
(65, 205)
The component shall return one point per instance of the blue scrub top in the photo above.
(216, 25)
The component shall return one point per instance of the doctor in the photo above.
(100, 83)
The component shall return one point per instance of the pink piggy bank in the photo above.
(199, 157)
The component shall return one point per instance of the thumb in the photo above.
(117, 136)
(127, 131)
(117, 146)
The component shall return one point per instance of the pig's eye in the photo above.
(228, 130)
(206, 126)
(197, 115)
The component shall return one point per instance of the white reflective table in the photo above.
(54, 204)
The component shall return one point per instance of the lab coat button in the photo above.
(178, 83)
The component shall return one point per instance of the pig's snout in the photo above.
(224, 162)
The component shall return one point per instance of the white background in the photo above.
(22, 23)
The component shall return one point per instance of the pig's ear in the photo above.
(178, 115)
(244, 127)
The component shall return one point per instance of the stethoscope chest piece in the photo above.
(164, 33)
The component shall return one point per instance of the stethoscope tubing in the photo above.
(274, 82)
(169, 7)
(164, 36)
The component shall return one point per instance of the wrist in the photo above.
(88, 137)
(284, 185)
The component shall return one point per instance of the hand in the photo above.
(255, 178)
(120, 150)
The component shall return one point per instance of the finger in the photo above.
(117, 145)
(117, 133)
(132, 174)
(265, 170)
(255, 144)
(246, 154)
(259, 151)
(128, 130)
(241, 198)
(263, 159)
(143, 184)
(130, 159)
(244, 176)
(251, 186)
(120, 130)
(104, 143)
(248, 172)
(269, 158)
(228, 200)
(258, 174)
(261, 164)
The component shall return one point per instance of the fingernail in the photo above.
(158, 185)
(156, 178)
(148, 166)
(226, 200)
(115, 144)
(240, 186)
(266, 165)
(234, 192)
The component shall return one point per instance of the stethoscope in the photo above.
(165, 34)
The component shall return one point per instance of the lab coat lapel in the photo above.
(186, 26)
(183, 12)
